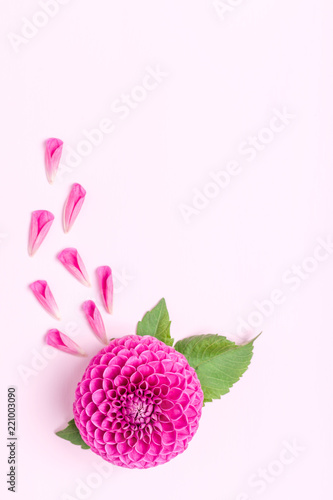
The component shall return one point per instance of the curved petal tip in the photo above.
(95, 320)
(41, 222)
(73, 206)
(43, 294)
(61, 341)
(72, 261)
(105, 283)
(53, 151)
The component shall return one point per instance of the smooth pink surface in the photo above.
(95, 320)
(72, 261)
(40, 224)
(44, 295)
(53, 151)
(73, 206)
(105, 283)
(139, 403)
(225, 76)
(61, 341)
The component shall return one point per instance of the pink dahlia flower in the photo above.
(139, 402)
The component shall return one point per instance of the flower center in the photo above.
(137, 410)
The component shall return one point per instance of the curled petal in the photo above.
(122, 418)
(72, 261)
(44, 295)
(53, 150)
(41, 221)
(73, 206)
(105, 282)
(95, 320)
(63, 343)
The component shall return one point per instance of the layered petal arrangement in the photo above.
(105, 283)
(53, 151)
(95, 320)
(72, 261)
(139, 402)
(62, 342)
(41, 221)
(73, 206)
(43, 294)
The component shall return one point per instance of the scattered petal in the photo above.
(105, 282)
(44, 295)
(72, 261)
(95, 320)
(53, 150)
(41, 221)
(63, 343)
(73, 206)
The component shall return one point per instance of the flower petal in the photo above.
(44, 295)
(72, 261)
(105, 282)
(41, 221)
(53, 150)
(95, 320)
(60, 341)
(73, 206)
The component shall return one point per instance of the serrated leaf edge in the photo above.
(83, 445)
(167, 340)
(232, 347)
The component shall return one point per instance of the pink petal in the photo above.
(63, 343)
(105, 282)
(95, 320)
(72, 261)
(53, 150)
(41, 221)
(73, 206)
(44, 295)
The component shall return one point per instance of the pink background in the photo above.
(226, 76)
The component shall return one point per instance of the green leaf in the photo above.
(71, 433)
(218, 362)
(156, 323)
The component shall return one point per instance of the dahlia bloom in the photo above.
(139, 402)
